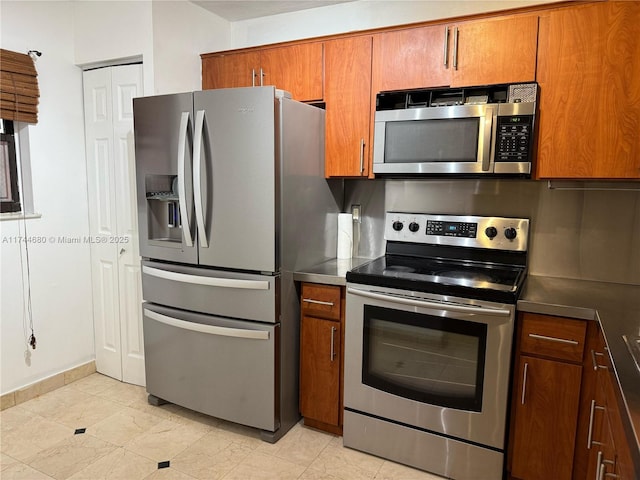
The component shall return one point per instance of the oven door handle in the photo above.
(428, 304)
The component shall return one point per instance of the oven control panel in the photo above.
(458, 230)
(452, 229)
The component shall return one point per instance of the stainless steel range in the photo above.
(428, 339)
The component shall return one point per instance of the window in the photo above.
(9, 192)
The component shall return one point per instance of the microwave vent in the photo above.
(477, 99)
(447, 98)
(522, 92)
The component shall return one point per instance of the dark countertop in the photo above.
(617, 308)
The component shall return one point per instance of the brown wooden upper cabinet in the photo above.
(294, 68)
(478, 52)
(230, 70)
(589, 76)
(347, 89)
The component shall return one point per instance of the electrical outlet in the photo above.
(355, 212)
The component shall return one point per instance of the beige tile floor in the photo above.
(126, 438)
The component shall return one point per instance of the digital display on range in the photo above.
(452, 229)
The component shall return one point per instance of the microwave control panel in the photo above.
(513, 138)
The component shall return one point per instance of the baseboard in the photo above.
(47, 385)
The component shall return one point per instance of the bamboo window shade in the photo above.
(18, 87)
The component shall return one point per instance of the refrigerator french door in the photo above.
(218, 174)
(206, 166)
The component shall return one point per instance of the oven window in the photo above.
(440, 140)
(434, 360)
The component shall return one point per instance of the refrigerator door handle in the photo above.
(209, 329)
(197, 176)
(208, 281)
(182, 189)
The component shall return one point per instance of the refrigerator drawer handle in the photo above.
(208, 281)
(182, 188)
(197, 177)
(210, 329)
(428, 304)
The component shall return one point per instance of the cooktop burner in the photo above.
(473, 257)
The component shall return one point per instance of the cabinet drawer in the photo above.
(555, 337)
(321, 300)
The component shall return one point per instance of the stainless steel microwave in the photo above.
(443, 132)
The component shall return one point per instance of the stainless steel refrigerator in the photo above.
(231, 200)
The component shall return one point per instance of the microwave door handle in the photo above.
(197, 177)
(182, 188)
(487, 135)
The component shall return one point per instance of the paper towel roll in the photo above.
(345, 235)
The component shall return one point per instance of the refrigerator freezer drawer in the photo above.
(221, 367)
(228, 294)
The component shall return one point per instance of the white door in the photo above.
(117, 292)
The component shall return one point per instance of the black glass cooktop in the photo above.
(461, 278)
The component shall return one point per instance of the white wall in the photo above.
(60, 273)
(168, 37)
(107, 31)
(358, 15)
(182, 31)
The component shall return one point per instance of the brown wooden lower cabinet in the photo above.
(566, 421)
(609, 453)
(546, 418)
(321, 356)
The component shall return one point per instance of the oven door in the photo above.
(437, 140)
(435, 363)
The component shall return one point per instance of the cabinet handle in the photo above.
(333, 351)
(599, 466)
(455, 48)
(524, 383)
(262, 77)
(361, 155)
(446, 47)
(607, 474)
(596, 365)
(317, 302)
(253, 77)
(590, 440)
(553, 339)
(601, 471)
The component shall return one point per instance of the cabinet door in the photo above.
(320, 370)
(589, 76)
(618, 447)
(230, 71)
(348, 102)
(412, 58)
(591, 405)
(545, 419)
(296, 69)
(494, 51)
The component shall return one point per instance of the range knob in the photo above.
(397, 225)
(510, 233)
(491, 232)
(414, 227)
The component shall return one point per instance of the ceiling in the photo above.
(234, 10)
